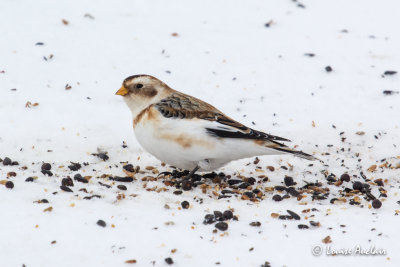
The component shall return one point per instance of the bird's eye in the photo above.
(139, 85)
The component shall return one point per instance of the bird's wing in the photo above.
(182, 106)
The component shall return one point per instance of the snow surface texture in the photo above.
(261, 62)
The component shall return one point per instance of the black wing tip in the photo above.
(277, 138)
(299, 154)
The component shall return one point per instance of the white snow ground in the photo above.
(224, 54)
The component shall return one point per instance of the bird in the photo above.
(189, 133)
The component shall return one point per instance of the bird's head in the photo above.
(140, 91)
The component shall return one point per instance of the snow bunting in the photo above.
(191, 134)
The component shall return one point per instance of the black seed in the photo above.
(277, 198)
(46, 166)
(251, 180)
(122, 179)
(293, 192)
(256, 191)
(66, 188)
(74, 166)
(376, 203)
(185, 204)
(345, 177)
(244, 185)
(105, 185)
(302, 226)
(210, 175)
(289, 181)
(280, 188)
(284, 217)
(313, 223)
(10, 184)
(129, 168)
(49, 173)
(226, 191)
(101, 223)
(90, 197)
(390, 92)
(178, 192)
(249, 194)
(309, 54)
(328, 68)
(7, 161)
(121, 187)
(44, 200)
(14, 163)
(357, 186)
(390, 72)
(186, 185)
(234, 181)
(293, 214)
(255, 224)
(102, 156)
(169, 261)
(29, 179)
(228, 215)
(209, 219)
(67, 182)
(223, 226)
(79, 178)
(379, 182)
(218, 215)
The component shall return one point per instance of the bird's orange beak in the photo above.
(122, 91)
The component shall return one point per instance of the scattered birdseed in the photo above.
(129, 168)
(390, 72)
(277, 198)
(357, 186)
(9, 184)
(101, 223)
(227, 215)
(121, 187)
(102, 156)
(7, 161)
(327, 240)
(222, 226)
(67, 182)
(74, 166)
(289, 181)
(345, 177)
(186, 185)
(209, 219)
(47, 172)
(46, 167)
(302, 226)
(66, 188)
(169, 261)
(376, 204)
(79, 178)
(185, 204)
(121, 179)
(255, 224)
(328, 69)
(293, 214)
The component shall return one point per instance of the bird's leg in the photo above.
(191, 173)
(186, 183)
